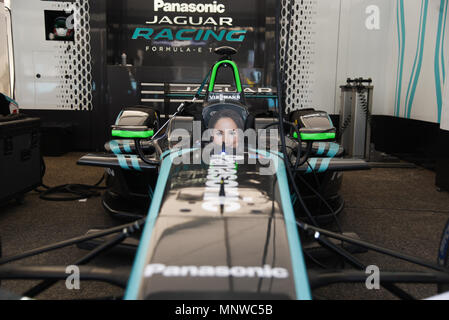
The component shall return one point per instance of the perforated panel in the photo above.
(74, 61)
(296, 60)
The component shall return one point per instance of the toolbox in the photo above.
(20, 156)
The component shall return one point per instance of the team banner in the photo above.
(171, 33)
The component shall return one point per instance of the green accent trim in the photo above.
(132, 134)
(295, 135)
(236, 75)
(318, 136)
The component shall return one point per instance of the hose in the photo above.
(68, 192)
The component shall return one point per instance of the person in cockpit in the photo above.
(226, 125)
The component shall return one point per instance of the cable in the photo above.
(281, 122)
(320, 233)
(362, 93)
(326, 243)
(108, 244)
(281, 113)
(298, 149)
(141, 153)
(321, 265)
(136, 225)
(300, 162)
(117, 276)
(277, 123)
(320, 196)
(182, 106)
(344, 126)
(68, 192)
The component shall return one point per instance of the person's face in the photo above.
(226, 130)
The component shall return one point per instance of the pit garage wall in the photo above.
(402, 45)
(407, 57)
(442, 166)
(58, 73)
(330, 43)
(61, 81)
(403, 53)
(332, 34)
(403, 56)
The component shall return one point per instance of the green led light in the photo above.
(295, 135)
(318, 136)
(132, 134)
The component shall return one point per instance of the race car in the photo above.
(228, 194)
(229, 209)
(227, 217)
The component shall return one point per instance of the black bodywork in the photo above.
(127, 196)
(185, 234)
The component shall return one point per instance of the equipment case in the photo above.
(20, 157)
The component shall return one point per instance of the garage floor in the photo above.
(397, 208)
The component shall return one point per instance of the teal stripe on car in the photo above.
(114, 147)
(127, 146)
(321, 148)
(299, 269)
(333, 150)
(311, 164)
(135, 162)
(324, 164)
(122, 161)
(133, 287)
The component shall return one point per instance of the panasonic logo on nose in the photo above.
(213, 7)
(215, 271)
